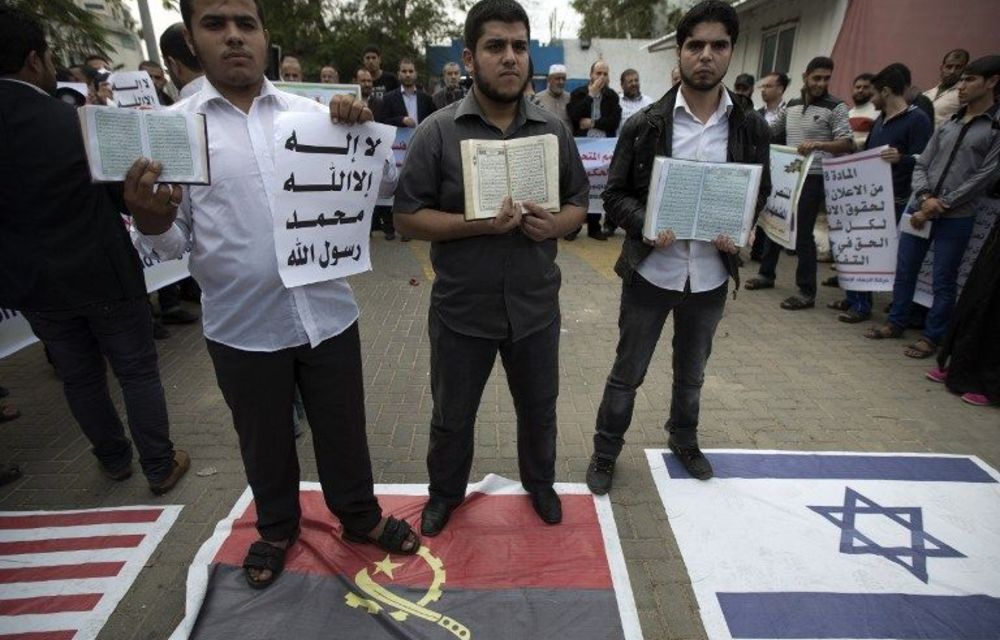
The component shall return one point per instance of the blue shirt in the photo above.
(908, 133)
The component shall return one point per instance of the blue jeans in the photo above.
(78, 341)
(950, 237)
(644, 310)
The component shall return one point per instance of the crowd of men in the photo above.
(268, 342)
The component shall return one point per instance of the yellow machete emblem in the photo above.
(381, 598)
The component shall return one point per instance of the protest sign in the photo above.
(863, 237)
(780, 215)
(133, 89)
(328, 181)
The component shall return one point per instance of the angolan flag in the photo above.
(496, 572)
(62, 573)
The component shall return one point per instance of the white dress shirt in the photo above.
(410, 102)
(630, 107)
(192, 88)
(228, 227)
(692, 260)
(771, 116)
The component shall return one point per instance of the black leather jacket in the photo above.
(649, 134)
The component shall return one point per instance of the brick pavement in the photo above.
(777, 380)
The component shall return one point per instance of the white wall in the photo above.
(817, 25)
(654, 68)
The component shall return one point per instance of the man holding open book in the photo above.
(265, 338)
(497, 285)
(697, 120)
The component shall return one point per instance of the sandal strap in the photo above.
(394, 535)
(262, 555)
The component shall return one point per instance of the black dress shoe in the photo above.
(435, 516)
(547, 505)
(693, 460)
(571, 236)
(599, 474)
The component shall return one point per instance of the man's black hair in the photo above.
(372, 49)
(903, 70)
(20, 34)
(187, 10)
(173, 45)
(867, 77)
(488, 10)
(782, 78)
(895, 76)
(987, 67)
(627, 73)
(819, 62)
(961, 53)
(405, 60)
(709, 11)
(96, 56)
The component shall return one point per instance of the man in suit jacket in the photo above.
(406, 106)
(66, 262)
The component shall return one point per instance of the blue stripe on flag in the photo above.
(781, 466)
(860, 615)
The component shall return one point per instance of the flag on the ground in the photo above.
(62, 573)
(839, 545)
(495, 572)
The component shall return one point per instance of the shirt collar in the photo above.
(411, 92)
(777, 109)
(725, 104)
(526, 110)
(28, 84)
(209, 93)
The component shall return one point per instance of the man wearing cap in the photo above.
(744, 85)
(554, 99)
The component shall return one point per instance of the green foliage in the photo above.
(616, 18)
(72, 31)
(320, 32)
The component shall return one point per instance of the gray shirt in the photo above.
(960, 162)
(493, 287)
(556, 106)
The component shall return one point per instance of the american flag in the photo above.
(62, 573)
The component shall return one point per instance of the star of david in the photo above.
(912, 558)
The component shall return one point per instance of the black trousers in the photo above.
(259, 387)
(810, 202)
(78, 341)
(460, 367)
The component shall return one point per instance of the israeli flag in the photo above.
(806, 545)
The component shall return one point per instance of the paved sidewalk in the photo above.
(776, 380)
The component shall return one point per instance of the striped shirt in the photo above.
(823, 120)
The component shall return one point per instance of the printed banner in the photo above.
(987, 212)
(329, 177)
(835, 545)
(596, 154)
(496, 572)
(862, 220)
(62, 573)
(15, 332)
(780, 215)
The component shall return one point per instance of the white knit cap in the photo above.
(557, 69)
